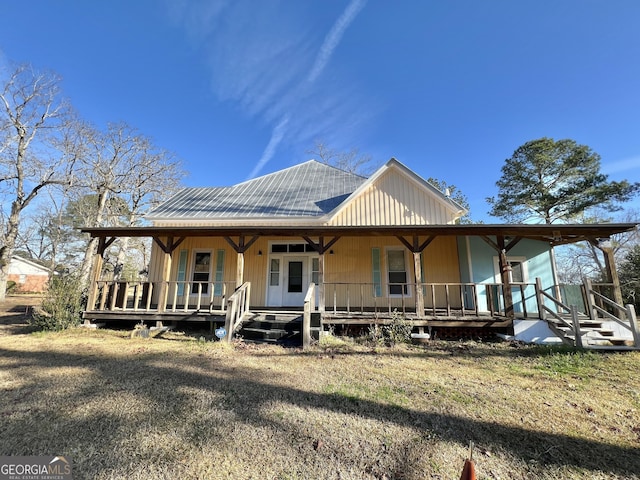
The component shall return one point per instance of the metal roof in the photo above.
(311, 189)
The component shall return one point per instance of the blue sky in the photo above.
(450, 88)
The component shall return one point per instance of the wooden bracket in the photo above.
(170, 246)
(321, 247)
(241, 246)
(415, 246)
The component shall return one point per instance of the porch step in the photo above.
(593, 333)
(281, 328)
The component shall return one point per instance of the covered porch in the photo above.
(445, 304)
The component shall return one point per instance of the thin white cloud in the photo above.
(264, 58)
(626, 164)
(331, 42)
(276, 137)
(333, 38)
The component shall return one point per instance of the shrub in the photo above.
(398, 331)
(62, 304)
(11, 286)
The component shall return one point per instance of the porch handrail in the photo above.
(237, 308)
(137, 296)
(627, 310)
(543, 310)
(440, 298)
(309, 307)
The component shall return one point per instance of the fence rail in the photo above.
(181, 296)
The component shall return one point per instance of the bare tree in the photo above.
(126, 174)
(585, 260)
(33, 115)
(351, 161)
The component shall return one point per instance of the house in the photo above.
(28, 275)
(348, 249)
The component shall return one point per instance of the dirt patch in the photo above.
(15, 312)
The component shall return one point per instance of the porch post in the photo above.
(164, 284)
(505, 276)
(240, 248)
(240, 269)
(96, 270)
(612, 272)
(321, 282)
(417, 268)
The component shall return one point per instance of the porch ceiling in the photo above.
(554, 234)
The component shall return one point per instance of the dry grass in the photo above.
(176, 407)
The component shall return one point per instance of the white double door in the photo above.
(288, 279)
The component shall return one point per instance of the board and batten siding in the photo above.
(394, 200)
(351, 263)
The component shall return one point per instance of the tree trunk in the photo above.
(6, 252)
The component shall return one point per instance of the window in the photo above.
(181, 275)
(376, 276)
(315, 270)
(519, 272)
(397, 272)
(295, 277)
(201, 272)
(218, 287)
(274, 272)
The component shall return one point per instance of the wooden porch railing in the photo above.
(600, 306)
(237, 308)
(556, 312)
(181, 296)
(440, 299)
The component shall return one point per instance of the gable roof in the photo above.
(311, 189)
(21, 265)
(440, 205)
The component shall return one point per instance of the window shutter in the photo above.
(217, 290)
(181, 275)
(377, 276)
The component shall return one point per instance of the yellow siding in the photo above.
(393, 199)
(351, 263)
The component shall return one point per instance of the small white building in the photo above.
(28, 275)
